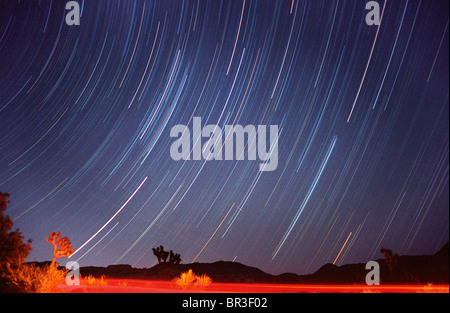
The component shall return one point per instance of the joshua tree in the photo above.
(61, 246)
(391, 259)
(160, 254)
(164, 256)
(157, 253)
(174, 258)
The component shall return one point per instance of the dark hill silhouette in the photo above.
(424, 269)
(221, 271)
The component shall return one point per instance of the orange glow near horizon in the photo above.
(147, 286)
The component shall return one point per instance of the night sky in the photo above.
(363, 116)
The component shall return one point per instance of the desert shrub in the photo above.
(91, 281)
(188, 280)
(51, 277)
(30, 278)
(430, 288)
(203, 281)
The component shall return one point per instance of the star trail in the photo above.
(362, 112)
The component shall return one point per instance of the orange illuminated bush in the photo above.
(91, 281)
(30, 278)
(203, 281)
(188, 280)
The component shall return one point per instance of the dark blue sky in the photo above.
(362, 111)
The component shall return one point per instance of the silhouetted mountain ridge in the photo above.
(422, 269)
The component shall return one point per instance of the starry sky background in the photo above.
(363, 115)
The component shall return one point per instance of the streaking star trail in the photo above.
(86, 113)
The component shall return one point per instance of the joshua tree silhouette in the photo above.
(162, 256)
(61, 246)
(174, 258)
(159, 252)
(391, 260)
